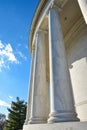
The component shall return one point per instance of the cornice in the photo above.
(38, 17)
(38, 11)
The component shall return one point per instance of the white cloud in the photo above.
(6, 55)
(8, 48)
(3, 103)
(22, 55)
(1, 45)
(10, 97)
(1, 62)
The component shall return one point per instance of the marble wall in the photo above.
(77, 60)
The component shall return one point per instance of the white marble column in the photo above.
(28, 113)
(39, 106)
(61, 96)
(83, 7)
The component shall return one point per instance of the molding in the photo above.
(64, 3)
(41, 12)
(73, 32)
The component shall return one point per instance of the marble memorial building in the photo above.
(58, 82)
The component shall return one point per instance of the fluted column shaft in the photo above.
(61, 96)
(28, 113)
(39, 106)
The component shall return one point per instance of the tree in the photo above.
(2, 121)
(17, 115)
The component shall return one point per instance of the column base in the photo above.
(37, 121)
(26, 122)
(62, 117)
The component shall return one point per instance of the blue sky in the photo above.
(15, 59)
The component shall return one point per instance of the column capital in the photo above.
(36, 37)
(33, 47)
(41, 30)
(55, 6)
(34, 44)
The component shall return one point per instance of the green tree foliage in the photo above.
(2, 121)
(17, 115)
